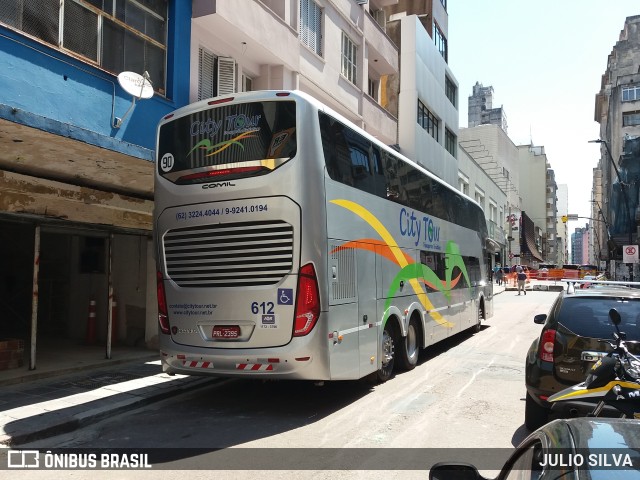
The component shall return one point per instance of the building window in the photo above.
(216, 75)
(372, 88)
(450, 142)
(126, 35)
(440, 41)
(630, 118)
(428, 121)
(463, 183)
(450, 90)
(631, 93)
(247, 84)
(349, 63)
(479, 196)
(311, 25)
(493, 211)
(380, 17)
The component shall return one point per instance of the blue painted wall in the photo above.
(47, 89)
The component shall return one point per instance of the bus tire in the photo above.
(389, 342)
(480, 315)
(409, 347)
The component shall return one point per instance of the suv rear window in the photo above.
(589, 316)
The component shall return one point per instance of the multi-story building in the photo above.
(617, 110)
(338, 52)
(76, 163)
(428, 93)
(524, 174)
(428, 114)
(538, 190)
(550, 238)
(477, 183)
(562, 236)
(580, 241)
(481, 111)
(600, 239)
(490, 148)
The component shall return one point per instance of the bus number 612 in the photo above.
(265, 308)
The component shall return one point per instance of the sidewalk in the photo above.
(50, 406)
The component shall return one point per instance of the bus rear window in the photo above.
(227, 142)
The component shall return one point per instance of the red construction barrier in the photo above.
(571, 274)
(556, 274)
(92, 332)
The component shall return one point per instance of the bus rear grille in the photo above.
(229, 255)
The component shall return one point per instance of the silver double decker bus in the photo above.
(291, 244)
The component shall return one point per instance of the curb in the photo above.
(35, 376)
(59, 423)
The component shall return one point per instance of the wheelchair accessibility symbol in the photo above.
(285, 296)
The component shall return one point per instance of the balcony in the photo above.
(378, 121)
(382, 53)
(248, 30)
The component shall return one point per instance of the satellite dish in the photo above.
(135, 84)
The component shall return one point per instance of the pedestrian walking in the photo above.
(499, 276)
(521, 278)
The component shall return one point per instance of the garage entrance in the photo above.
(73, 281)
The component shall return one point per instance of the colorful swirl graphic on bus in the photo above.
(416, 274)
(219, 147)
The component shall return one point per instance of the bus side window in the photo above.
(359, 148)
(380, 184)
(392, 177)
(327, 146)
(339, 159)
(440, 201)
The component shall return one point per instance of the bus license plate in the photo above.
(232, 331)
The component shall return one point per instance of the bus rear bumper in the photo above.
(269, 363)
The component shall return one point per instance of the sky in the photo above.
(545, 61)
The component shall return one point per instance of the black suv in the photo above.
(571, 342)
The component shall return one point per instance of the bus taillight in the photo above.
(211, 174)
(221, 100)
(163, 317)
(307, 301)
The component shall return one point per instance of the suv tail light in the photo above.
(307, 301)
(547, 344)
(163, 317)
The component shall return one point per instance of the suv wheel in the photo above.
(535, 416)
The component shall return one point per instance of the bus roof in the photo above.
(261, 95)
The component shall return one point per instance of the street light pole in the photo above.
(622, 186)
(606, 224)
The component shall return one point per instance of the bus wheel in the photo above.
(388, 354)
(410, 347)
(479, 317)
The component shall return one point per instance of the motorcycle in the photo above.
(614, 380)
